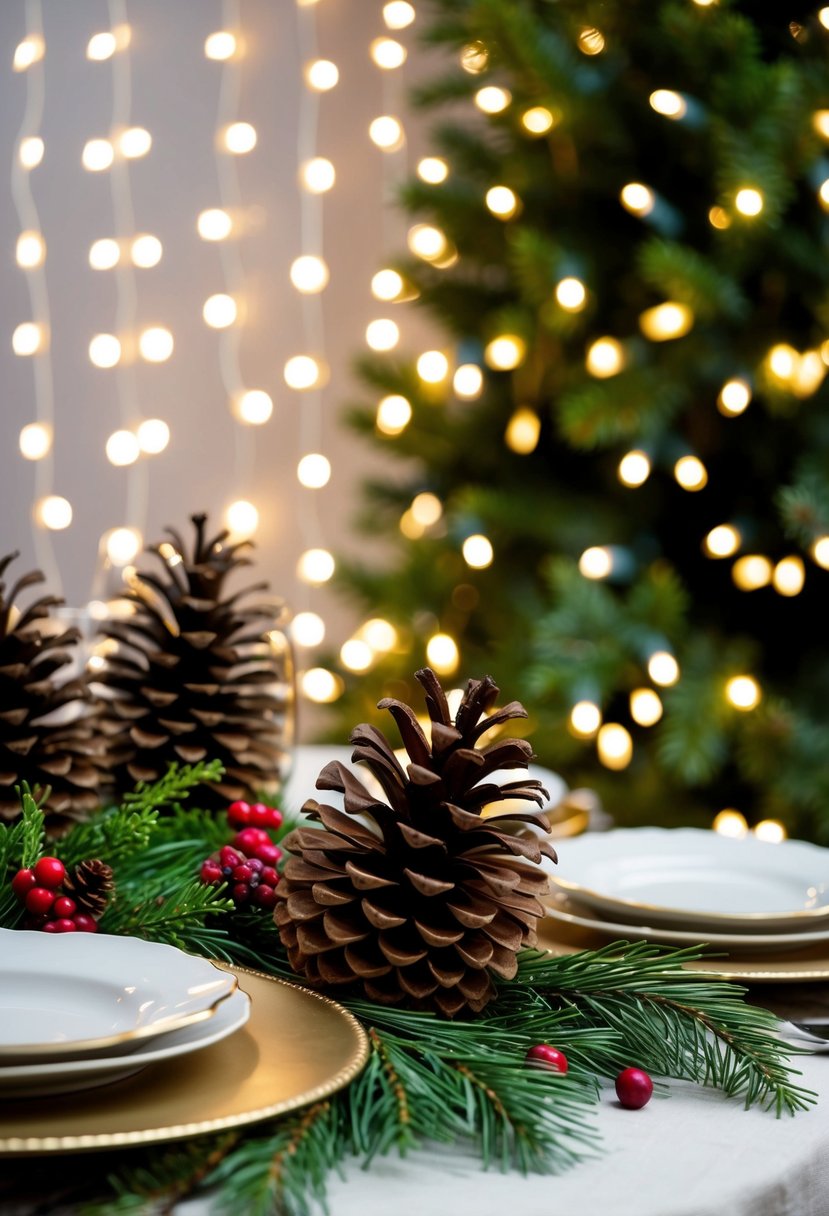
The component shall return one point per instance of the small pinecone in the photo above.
(48, 735)
(193, 675)
(431, 900)
(89, 884)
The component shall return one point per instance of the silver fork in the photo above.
(810, 1034)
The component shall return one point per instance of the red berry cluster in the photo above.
(633, 1086)
(39, 890)
(248, 864)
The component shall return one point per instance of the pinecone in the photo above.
(421, 900)
(193, 675)
(89, 884)
(48, 735)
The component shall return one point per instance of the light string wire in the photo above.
(38, 296)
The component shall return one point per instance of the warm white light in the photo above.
(571, 294)
(614, 746)
(104, 254)
(820, 118)
(477, 552)
(123, 545)
(219, 311)
(426, 509)
(585, 719)
(321, 75)
(30, 50)
(605, 357)
(789, 576)
(691, 473)
(634, 468)
(591, 41)
(823, 194)
(308, 629)
(743, 692)
(380, 635)
(666, 321)
(719, 218)
(221, 45)
(468, 381)
(122, 448)
(808, 374)
(386, 132)
(505, 352)
(523, 431)
(722, 541)
(730, 823)
(397, 14)
(442, 653)
(314, 471)
(31, 151)
(156, 344)
(427, 242)
(637, 198)
(302, 372)
(321, 686)
(492, 100)
(820, 552)
(823, 17)
(54, 512)
(309, 274)
(409, 526)
(153, 436)
(98, 154)
(146, 251)
(135, 142)
(596, 562)
(30, 250)
(474, 58)
(663, 668)
(356, 655)
(735, 396)
(538, 120)
(749, 201)
(214, 224)
(315, 566)
(104, 350)
(668, 103)
(254, 407)
(317, 175)
(645, 706)
(432, 169)
(772, 831)
(242, 517)
(502, 202)
(752, 572)
(382, 334)
(35, 440)
(388, 53)
(101, 46)
(27, 338)
(386, 285)
(432, 366)
(394, 414)
(782, 360)
(240, 137)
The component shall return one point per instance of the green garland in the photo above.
(426, 1079)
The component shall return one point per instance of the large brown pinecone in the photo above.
(194, 675)
(47, 723)
(417, 898)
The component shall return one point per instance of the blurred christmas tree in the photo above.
(613, 491)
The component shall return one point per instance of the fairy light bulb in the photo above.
(242, 517)
(634, 468)
(104, 350)
(309, 274)
(315, 566)
(722, 541)
(591, 41)
(433, 170)
(27, 338)
(719, 218)
(317, 175)
(153, 435)
(749, 201)
(219, 311)
(663, 668)
(782, 361)
(321, 75)
(751, 572)
(379, 634)
(302, 372)
(492, 100)
(409, 526)
(386, 285)
(505, 352)
(122, 448)
(585, 719)
(427, 242)
(668, 103)
(314, 471)
(398, 14)
(146, 251)
(596, 562)
(104, 254)
(743, 692)
(468, 381)
(386, 133)
(214, 224)
(502, 202)
(426, 509)
(645, 707)
(432, 366)
(477, 552)
(254, 407)
(808, 374)
(523, 431)
(382, 334)
(442, 653)
(730, 823)
(789, 576)
(35, 440)
(666, 321)
(820, 118)
(31, 150)
(691, 473)
(538, 120)
(321, 686)
(820, 551)
(239, 138)
(474, 58)
(571, 294)
(54, 512)
(30, 250)
(605, 357)
(220, 45)
(308, 629)
(30, 50)
(734, 398)
(614, 746)
(637, 198)
(823, 17)
(356, 655)
(388, 53)
(394, 413)
(771, 831)
(101, 46)
(123, 545)
(97, 155)
(155, 344)
(135, 142)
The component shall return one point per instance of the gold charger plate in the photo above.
(296, 1048)
(801, 966)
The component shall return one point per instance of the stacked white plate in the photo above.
(686, 886)
(80, 1010)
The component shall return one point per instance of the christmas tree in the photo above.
(613, 485)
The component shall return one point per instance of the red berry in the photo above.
(50, 872)
(84, 923)
(229, 856)
(247, 840)
(274, 817)
(634, 1088)
(264, 896)
(270, 876)
(23, 882)
(64, 906)
(238, 813)
(64, 925)
(211, 871)
(39, 901)
(241, 893)
(256, 865)
(547, 1057)
(242, 873)
(268, 853)
(51, 926)
(260, 814)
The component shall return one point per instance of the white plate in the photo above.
(697, 880)
(63, 996)
(36, 1080)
